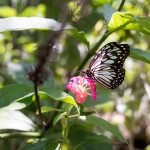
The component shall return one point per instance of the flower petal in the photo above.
(81, 86)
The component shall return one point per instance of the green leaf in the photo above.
(106, 125)
(20, 93)
(67, 107)
(79, 35)
(18, 96)
(45, 109)
(93, 138)
(81, 137)
(51, 145)
(103, 96)
(52, 134)
(47, 94)
(108, 12)
(16, 120)
(128, 21)
(23, 23)
(58, 117)
(20, 103)
(140, 54)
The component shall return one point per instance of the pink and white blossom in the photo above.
(82, 87)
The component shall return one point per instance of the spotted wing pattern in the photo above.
(106, 68)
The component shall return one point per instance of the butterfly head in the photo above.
(84, 71)
(88, 73)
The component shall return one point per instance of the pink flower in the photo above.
(81, 87)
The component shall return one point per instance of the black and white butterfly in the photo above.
(106, 68)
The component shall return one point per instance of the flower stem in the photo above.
(73, 116)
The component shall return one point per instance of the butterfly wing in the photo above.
(107, 65)
(109, 77)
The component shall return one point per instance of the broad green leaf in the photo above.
(140, 54)
(85, 125)
(18, 96)
(24, 23)
(93, 138)
(58, 117)
(103, 96)
(106, 125)
(108, 12)
(45, 109)
(20, 93)
(128, 21)
(78, 35)
(16, 120)
(89, 146)
(51, 145)
(81, 137)
(46, 94)
(52, 134)
(20, 103)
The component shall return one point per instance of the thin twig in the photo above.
(38, 102)
(121, 5)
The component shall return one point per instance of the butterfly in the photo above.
(106, 68)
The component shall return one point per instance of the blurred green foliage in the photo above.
(127, 106)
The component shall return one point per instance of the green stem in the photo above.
(20, 135)
(97, 45)
(73, 116)
(121, 5)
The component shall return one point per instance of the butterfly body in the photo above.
(106, 68)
